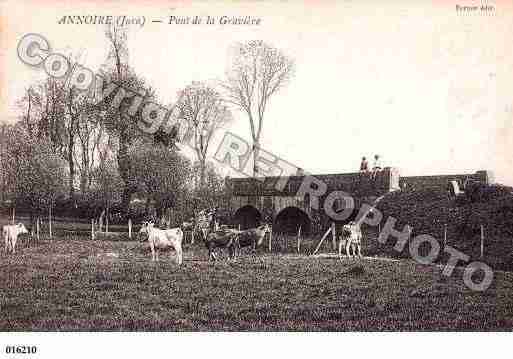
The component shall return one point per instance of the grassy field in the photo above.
(104, 285)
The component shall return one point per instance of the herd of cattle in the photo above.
(215, 237)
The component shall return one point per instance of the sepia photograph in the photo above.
(255, 166)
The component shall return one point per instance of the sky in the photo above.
(422, 84)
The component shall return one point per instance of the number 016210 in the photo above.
(20, 349)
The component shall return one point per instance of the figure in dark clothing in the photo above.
(364, 165)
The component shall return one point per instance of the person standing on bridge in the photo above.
(377, 166)
(364, 165)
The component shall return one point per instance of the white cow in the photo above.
(11, 233)
(351, 238)
(163, 239)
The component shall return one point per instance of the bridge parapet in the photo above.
(439, 182)
(357, 184)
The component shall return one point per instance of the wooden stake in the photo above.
(50, 221)
(92, 229)
(445, 234)
(37, 228)
(32, 232)
(107, 221)
(129, 228)
(299, 240)
(482, 241)
(334, 236)
(100, 221)
(13, 214)
(322, 239)
(270, 239)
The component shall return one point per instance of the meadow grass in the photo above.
(107, 285)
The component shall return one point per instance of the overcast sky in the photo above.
(425, 86)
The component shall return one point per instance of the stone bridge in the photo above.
(290, 202)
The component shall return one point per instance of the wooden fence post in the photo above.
(50, 221)
(129, 228)
(445, 234)
(299, 240)
(334, 236)
(92, 229)
(270, 239)
(100, 222)
(37, 228)
(482, 241)
(13, 214)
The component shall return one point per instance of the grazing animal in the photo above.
(10, 233)
(204, 223)
(224, 238)
(233, 239)
(253, 237)
(188, 227)
(163, 239)
(351, 238)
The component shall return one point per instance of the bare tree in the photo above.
(27, 118)
(76, 105)
(50, 105)
(106, 185)
(116, 120)
(117, 37)
(52, 111)
(90, 134)
(204, 112)
(257, 72)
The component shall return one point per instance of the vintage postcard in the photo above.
(255, 166)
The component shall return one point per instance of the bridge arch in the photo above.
(247, 217)
(290, 218)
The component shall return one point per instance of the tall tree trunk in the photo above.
(256, 150)
(32, 223)
(84, 175)
(126, 197)
(147, 205)
(202, 172)
(71, 162)
(29, 125)
(159, 210)
(124, 170)
(83, 181)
